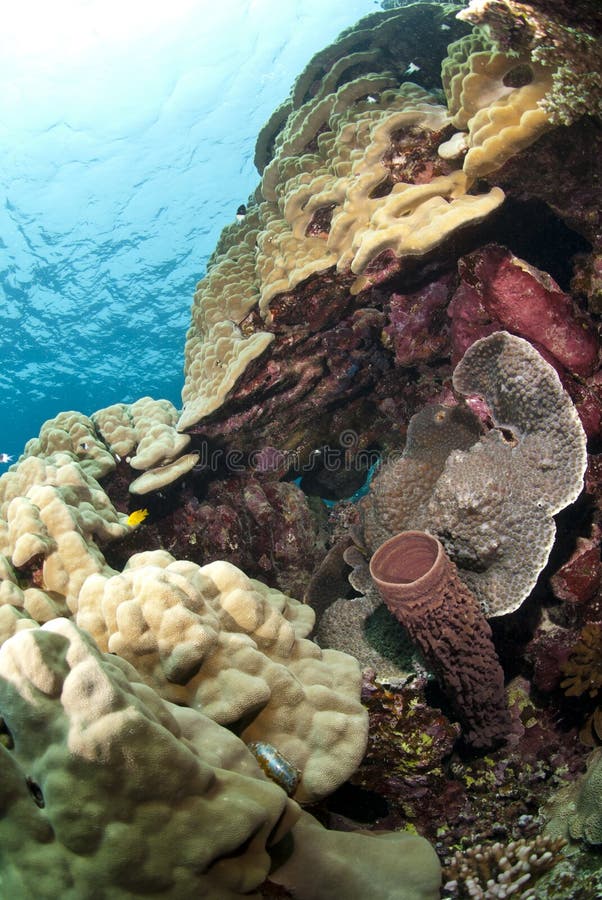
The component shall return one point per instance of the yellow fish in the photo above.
(138, 516)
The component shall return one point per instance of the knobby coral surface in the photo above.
(401, 228)
(135, 796)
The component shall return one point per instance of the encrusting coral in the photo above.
(200, 636)
(333, 195)
(212, 639)
(497, 98)
(575, 811)
(142, 433)
(554, 37)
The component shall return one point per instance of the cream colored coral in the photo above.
(501, 117)
(320, 205)
(414, 218)
(215, 364)
(162, 476)
(74, 433)
(508, 126)
(215, 640)
(116, 426)
(108, 791)
(146, 427)
(56, 514)
(218, 346)
(341, 174)
(12, 620)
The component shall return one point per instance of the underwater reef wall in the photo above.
(201, 690)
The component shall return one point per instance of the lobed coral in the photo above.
(344, 182)
(331, 298)
(136, 796)
(548, 35)
(496, 97)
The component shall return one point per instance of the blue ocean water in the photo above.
(127, 132)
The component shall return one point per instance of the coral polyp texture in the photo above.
(492, 503)
(400, 334)
(494, 97)
(212, 639)
(136, 796)
(202, 636)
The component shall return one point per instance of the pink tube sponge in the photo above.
(422, 588)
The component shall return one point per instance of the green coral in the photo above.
(575, 54)
(577, 82)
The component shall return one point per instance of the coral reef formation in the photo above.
(202, 636)
(421, 587)
(416, 280)
(113, 806)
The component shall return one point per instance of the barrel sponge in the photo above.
(496, 97)
(109, 791)
(211, 638)
(494, 503)
(55, 516)
(575, 811)
(73, 432)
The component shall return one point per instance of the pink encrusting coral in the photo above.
(422, 588)
(500, 291)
